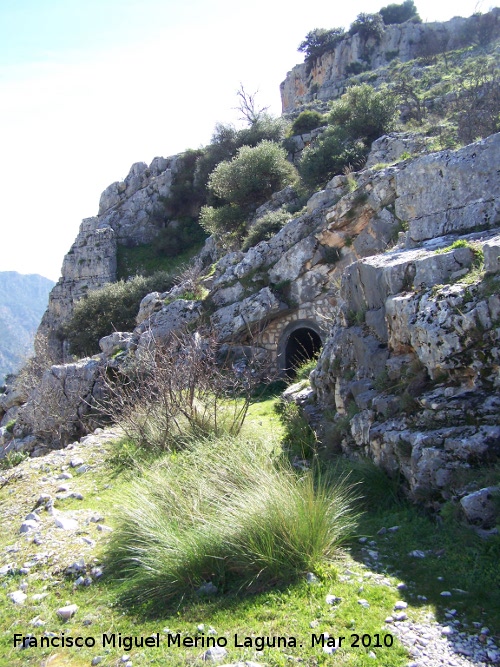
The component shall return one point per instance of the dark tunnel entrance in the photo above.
(300, 345)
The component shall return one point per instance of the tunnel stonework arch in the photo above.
(293, 333)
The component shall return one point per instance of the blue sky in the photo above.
(88, 87)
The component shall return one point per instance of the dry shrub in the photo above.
(180, 389)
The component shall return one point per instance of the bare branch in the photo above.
(247, 106)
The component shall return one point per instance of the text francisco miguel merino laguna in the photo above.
(116, 640)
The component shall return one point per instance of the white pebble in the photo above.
(17, 597)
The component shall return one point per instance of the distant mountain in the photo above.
(23, 300)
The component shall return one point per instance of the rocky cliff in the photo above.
(326, 77)
(128, 215)
(393, 270)
(398, 272)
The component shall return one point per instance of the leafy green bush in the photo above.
(329, 156)
(12, 459)
(225, 143)
(176, 239)
(9, 426)
(265, 227)
(226, 223)
(395, 13)
(227, 512)
(306, 121)
(356, 67)
(253, 175)
(112, 307)
(364, 113)
(319, 41)
(146, 259)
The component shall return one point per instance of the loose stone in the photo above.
(67, 612)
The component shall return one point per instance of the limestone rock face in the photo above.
(326, 77)
(391, 147)
(175, 316)
(241, 316)
(410, 324)
(492, 255)
(128, 215)
(58, 408)
(450, 192)
(116, 342)
(90, 263)
(414, 349)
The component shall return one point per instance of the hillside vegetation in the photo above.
(447, 98)
(206, 511)
(226, 539)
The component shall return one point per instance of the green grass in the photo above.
(459, 243)
(283, 608)
(230, 512)
(146, 260)
(473, 567)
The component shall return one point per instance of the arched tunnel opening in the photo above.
(302, 345)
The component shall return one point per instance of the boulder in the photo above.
(238, 318)
(57, 409)
(491, 251)
(116, 342)
(482, 507)
(175, 316)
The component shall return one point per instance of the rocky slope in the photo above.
(393, 269)
(327, 77)
(23, 300)
(411, 353)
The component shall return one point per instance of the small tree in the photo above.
(184, 387)
(225, 143)
(407, 88)
(368, 25)
(247, 106)
(241, 185)
(395, 13)
(33, 369)
(319, 41)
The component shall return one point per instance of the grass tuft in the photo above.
(228, 512)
